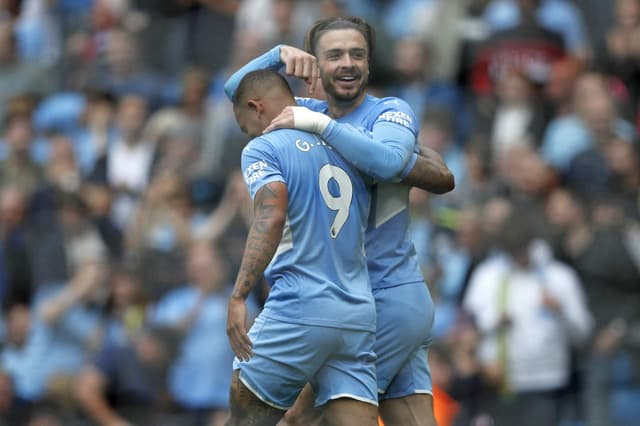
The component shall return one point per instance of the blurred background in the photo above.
(123, 214)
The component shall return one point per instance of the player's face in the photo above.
(248, 121)
(343, 63)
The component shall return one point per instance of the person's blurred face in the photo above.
(561, 209)
(125, 289)
(12, 208)
(434, 137)
(628, 13)
(194, 92)
(622, 157)
(132, 114)
(410, 60)
(18, 322)
(62, 151)
(98, 198)
(561, 80)
(282, 11)
(344, 65)
(99, 113)
(531, 175)
(121, 51)
(18, 135)
(593, 103)
(72, 218)
(494, 214)
(205, 267)
(469, 231)
(7, 43)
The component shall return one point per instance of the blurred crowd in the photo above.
(123, 213)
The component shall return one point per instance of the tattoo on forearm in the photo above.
(262, 242)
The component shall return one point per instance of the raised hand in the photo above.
(300, 64)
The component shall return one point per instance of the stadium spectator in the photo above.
(122, 72)
(17, 77)
(125, 383)
(527, 47)
(413, 81)
(514, 116)
(160, 232)
(594, 118)
(521, 300)
(126, 164)
(623, 48)
(18, 168)
(199, 378)
(16, 284)
(560, 16)
(589, 242)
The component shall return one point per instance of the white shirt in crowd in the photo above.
(538, 340)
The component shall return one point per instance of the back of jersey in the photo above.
(318, 274)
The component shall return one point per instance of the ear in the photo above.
(255, 106)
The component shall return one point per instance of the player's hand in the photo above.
(237, 329)
(301, 64)
(284, 120)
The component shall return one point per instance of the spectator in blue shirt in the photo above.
(200, 377)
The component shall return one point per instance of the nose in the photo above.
(346, 61)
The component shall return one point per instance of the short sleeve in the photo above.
(260, 165)
(396, 111)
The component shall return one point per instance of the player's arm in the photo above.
(429, 172)
(296, 62)
(382, 153)
(270, 213)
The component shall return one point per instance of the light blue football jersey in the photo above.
(391, 256)
(319, 273)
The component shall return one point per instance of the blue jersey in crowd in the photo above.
(318, 274)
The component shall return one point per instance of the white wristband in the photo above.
(311, 121)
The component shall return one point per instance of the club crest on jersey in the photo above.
(397, 117)
(255, 171)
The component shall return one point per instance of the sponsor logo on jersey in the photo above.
(397, 117)
(254, 172)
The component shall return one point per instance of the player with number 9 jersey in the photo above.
(318, 274)
(307, 239)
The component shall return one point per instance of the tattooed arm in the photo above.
(430, 173)
(270, 213)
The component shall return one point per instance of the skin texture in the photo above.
(247, 409)
(270, 212)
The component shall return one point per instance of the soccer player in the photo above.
(307, 239)
(378, 136)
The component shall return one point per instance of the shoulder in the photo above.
(394, 110)
(312, 103)
(563, 273)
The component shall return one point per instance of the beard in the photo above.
(341, 95)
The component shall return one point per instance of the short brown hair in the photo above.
(339, 23)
